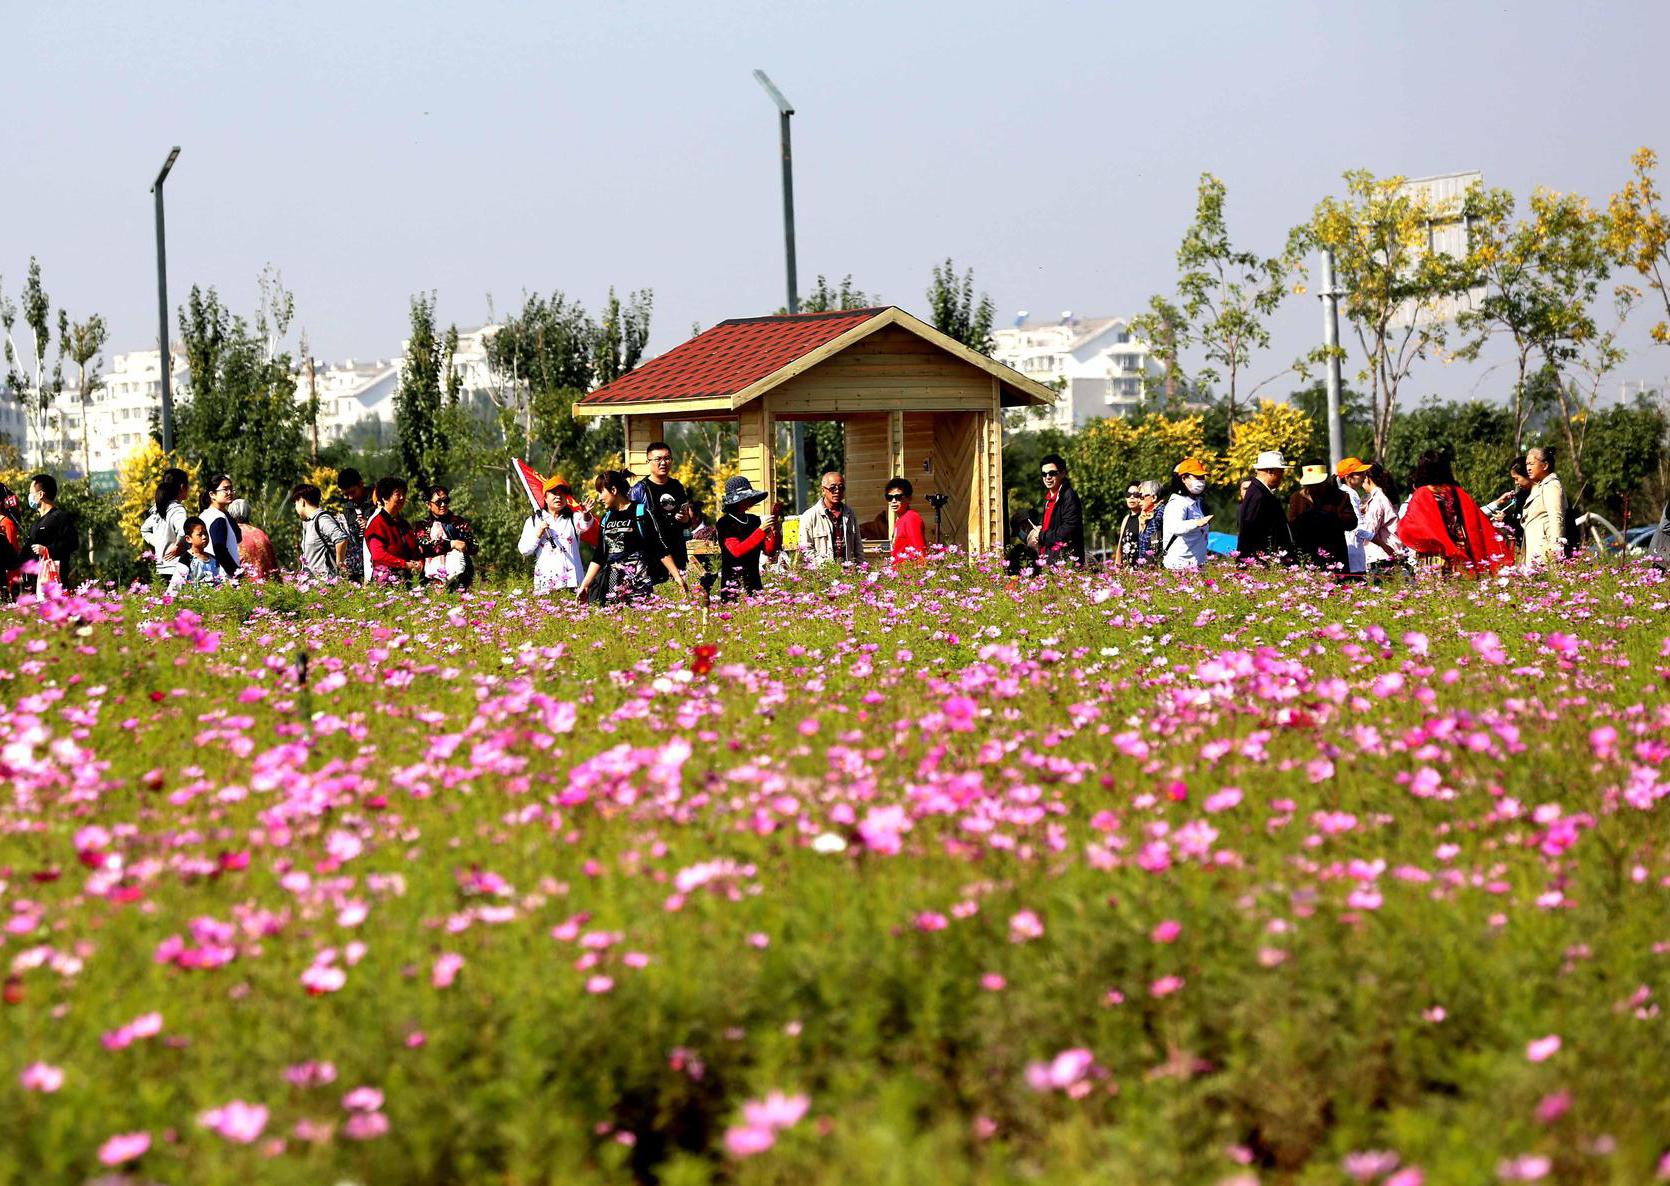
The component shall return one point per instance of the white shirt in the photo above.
(1377, 530)
(1355, 560)
(1184, 527)
(554, 543)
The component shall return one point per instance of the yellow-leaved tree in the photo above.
(1277, 426)
(1638, 232)
(138, 474)
(1108, 454)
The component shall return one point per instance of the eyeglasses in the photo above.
(661, 459)
(836, 489)
(440, 502)
(895, 498)
(1133, 494)
(1050, 473)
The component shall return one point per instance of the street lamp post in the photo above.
(784, 110)
(167, 361)
(1330, 338)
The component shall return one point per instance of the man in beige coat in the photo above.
(1544, 517)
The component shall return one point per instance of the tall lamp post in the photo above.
(784, 110)
(1330, 295)
(167, 361)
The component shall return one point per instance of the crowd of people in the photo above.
(1348, 520)
(629, 535)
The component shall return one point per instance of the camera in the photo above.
(937, 500)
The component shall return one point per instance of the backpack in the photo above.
(330, 552)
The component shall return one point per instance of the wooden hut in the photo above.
(906, 394)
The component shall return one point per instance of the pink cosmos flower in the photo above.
(597, 985)
(237, 1121)
(124, 1147)
(1167, 931)
(992, 982)
(42, 1077)
(365, 1126)
(320, 979)
(1370, 1164)
(1222, 800)
(1553, 1106)
(1409, 1175)
(363, 1099)
(1543, 1049)
(775, 1111)
(1165, 986)
(1062, 1072)
(745, 1141)
(930, 920)
(310, 1074)
(1024, 926)
(1530, 1167)
(445, 971)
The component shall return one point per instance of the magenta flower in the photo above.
(446, 969)
(1165, 986)
(1025, 926)
(775, 1111)
(1543, 1049)
(238, 1122)
(746, 1140)
(42, 1077)
(363, 1099)
(124, 1147)
(1167, 931)
(365, 1126)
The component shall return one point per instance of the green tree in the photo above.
(1357, 424)
(428, 384)
(622, 335)
(826, 299)
(1625, 445)
(1224, 297)
(1166, 330)
(83, 341)
(1477, 435)
(238, 412)
(1539, 275)
(956, 313)
(1395, 290)
(30, 383)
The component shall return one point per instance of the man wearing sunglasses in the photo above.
(1059, 539)
(452, 546)
(829, 531)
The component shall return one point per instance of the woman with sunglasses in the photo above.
(910, 539)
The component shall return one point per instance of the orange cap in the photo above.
(1351, 465)
(1190, 466)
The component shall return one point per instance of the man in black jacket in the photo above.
(1264, 532)
(53, 535)
(1060, 537)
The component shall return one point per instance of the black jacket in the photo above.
(1263, 525)
(1064, 538)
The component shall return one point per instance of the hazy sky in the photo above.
(373, 149)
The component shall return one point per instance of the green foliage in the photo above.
(1224, 298)
(28, 379)
(622, 334)
(238, 413)
(826, 299)
(1478, 436)
(1106, 455)
(1355, 419)
(428, 382)
(954, 311)
(1624, 447)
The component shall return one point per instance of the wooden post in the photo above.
(756, 432)
(641, 431)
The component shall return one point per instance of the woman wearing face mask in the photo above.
(1184, 524)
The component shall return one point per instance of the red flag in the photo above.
(532, 483)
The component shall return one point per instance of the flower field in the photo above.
(933, 878)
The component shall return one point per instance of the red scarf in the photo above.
(1049, 508)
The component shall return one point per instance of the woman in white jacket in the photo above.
(553, 536)
(1184, 525)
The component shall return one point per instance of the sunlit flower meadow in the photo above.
(934, 877)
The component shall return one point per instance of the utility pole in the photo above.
(166, 358)
(1330, 295)
(797, 428)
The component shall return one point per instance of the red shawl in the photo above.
(1423, 530)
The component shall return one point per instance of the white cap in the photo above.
(1270, 459)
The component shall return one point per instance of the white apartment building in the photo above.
(1098, 362)
(355, 397)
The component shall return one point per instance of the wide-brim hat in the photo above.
(740, 492)
(1313, 475)
(1190, 467)
(1270, 459)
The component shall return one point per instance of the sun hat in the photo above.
(1352, 465)
(1313, 475)
(740, 492)
(1270, 459)
(1191, 467)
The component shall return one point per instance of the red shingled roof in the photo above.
(729, 357)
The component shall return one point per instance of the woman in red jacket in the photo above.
(393, 549)
(910, 540)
